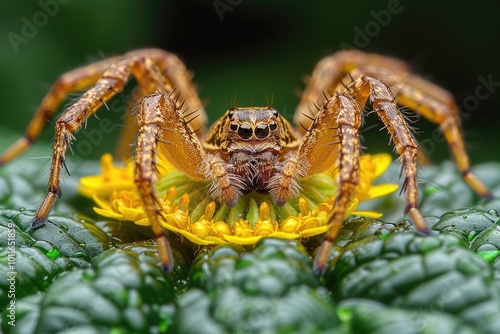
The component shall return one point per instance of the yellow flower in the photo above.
(188, 210)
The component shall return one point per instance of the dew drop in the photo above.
(80, 255)
(464, 216)
(22, 209)
(64, 227)
(472, 235)
(53, 253)
(82, 244)
(486, 247)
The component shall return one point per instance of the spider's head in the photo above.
(252, 124)
(251, 129)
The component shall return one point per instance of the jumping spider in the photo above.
(253, 148)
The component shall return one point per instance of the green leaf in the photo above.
(466, 223)
(36, 257)
(269, 290)
(370, 317)
(122, 292)
(437, 274)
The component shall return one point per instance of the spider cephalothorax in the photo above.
(253, 149)
(253, 143)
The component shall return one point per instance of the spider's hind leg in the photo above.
(438, 106)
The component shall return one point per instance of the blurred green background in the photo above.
(255, 49)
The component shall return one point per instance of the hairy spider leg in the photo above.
(337, 73)
(172, 67)
(148, 67)
(162, 124)
(75, 80)
(384, 104)
(439, 106)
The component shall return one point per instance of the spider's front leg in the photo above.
(332, 138)
(165, 132)
(161, 121)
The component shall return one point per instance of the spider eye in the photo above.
(273, 126)
(262, 131)
(275, 113)
(231, 114)
(245, 131)
(233, 127)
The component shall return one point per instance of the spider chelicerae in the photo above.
(253, 148)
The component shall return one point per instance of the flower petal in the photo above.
(382, 161)
(314, 231)
(284, 235)
(109, 214)
(368, 214)
(132, 214)
(242, 241)
(102, 203)
(378, 190)
(193, 238)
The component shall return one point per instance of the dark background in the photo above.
(256, 49)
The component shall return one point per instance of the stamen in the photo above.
(303, 206)
(254, 217)
(184, 202)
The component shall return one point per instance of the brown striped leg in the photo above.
(384, 104)
(151, 115)
(149, 77)
(336, 72)
(332, 73)
(164, 132)
(438, 106)
(343, 113)
(70, 82)
(173, 70)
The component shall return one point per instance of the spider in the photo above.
(253, 148)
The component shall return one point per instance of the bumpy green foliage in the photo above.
(435, 283)
(121, 292)
(42, 254)
(270, 290)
